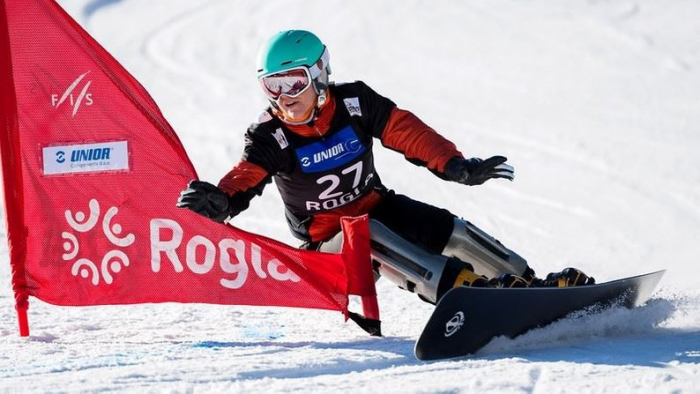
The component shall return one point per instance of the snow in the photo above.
(596, 103)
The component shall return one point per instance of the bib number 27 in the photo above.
(335, 195)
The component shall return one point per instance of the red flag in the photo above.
(92, 172)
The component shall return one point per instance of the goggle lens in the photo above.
(290, 83)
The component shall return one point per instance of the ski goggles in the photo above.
(290, 83)
(294, 81)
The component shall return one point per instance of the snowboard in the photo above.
(467, 318)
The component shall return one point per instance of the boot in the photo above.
(566, 278)
(509, 281)
(467, 277)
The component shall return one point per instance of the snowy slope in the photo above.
(595, 103)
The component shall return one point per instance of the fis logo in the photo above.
(75, 95)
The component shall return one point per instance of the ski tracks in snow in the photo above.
(96, 5)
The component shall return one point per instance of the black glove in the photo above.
(475, 171)
(208, 201)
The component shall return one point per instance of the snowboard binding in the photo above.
(509, 281)
(568, 277)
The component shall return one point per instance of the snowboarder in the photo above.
(315, 140)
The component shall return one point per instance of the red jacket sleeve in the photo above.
(242, 178)
(418, 142)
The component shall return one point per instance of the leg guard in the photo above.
(486, 254)
(405, 264)
(414, 269)
(411, 267)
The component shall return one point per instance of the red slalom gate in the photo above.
(84, 147)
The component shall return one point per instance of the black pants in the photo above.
(422, 224)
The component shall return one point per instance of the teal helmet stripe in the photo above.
(291, 49)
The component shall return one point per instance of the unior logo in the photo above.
(338, 149)
(83, 158)
(330, 153)
(335, 152)
(353, 145)
(454, 324)
(113, 261)
(90, 154)
(75, 95)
